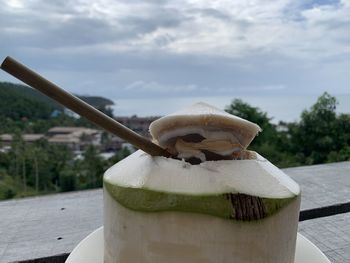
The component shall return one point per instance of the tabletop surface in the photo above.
(54, 224)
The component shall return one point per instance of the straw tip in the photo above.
(4, 61)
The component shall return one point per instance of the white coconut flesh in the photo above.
(154, 184)
(203, 132)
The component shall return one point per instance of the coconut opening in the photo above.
(205, 145)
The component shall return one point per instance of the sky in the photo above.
(161, 55)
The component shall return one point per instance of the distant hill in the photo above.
(18, 101)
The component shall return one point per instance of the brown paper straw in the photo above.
(70, 101)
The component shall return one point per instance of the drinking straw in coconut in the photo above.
(70, 101)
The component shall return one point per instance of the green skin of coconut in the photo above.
(146, 200)
(164, 210)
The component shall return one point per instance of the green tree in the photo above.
(92, 168)
(342, 131)
(37, 156)
(270, 143)
(18, 165)
(315, 136)
(320, 136)
(256, 115)
(5, 161)
(118, 156)
(58, 157)
(68, 179)
(7, 186)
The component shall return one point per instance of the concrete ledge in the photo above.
(53, 225)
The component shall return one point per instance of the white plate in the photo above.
(90, 249)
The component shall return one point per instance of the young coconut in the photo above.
(239, 208)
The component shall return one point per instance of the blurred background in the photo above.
(282, 64)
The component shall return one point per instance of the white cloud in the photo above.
(132, 48)
(155, 87)
(263, 27)
(215, 28)
(251, 89)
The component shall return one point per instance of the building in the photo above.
(139, 125)
(77, 138)
(113, 144)
(7, 139)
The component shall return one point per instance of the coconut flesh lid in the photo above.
(204, 132)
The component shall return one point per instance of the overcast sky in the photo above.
(132, 49)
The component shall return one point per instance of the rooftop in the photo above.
(64, 138)
(66, 129)
(28, 137)
(53, 225)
